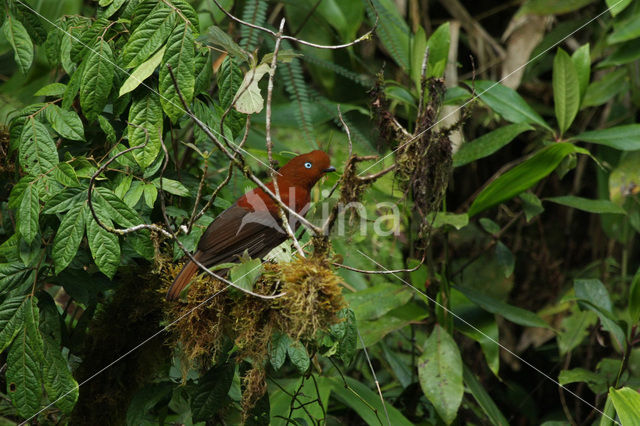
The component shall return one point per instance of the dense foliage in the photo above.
(487, 271)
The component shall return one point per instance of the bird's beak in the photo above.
(330, 169)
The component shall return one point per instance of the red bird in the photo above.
(253, 222)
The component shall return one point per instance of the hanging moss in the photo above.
(311, 301)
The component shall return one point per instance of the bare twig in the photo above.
(365, 36)
(375, 377)
(272, 72)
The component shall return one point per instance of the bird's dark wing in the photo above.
(236, 230)
(227, 237)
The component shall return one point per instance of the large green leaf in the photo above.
(574, 329)
(146, 115)
(510, 312)
(97, 80)
(440, 373)
(299, 356)
(37, 152)
(393, 31)
(374, 330)
(24, 362)
(149, 36)
(507, 102)
(566, 90)
(624, 138)
(599, 92)
(581, 59)
(105, 247)
(627, 403)
(523, 176)
(488, 143)
(68, 237)
(376, 301)
(180, 57)
(59, 383)
(438, 45)
(66, 123)
(588, 205)
(20, 41)
(626, 30)
(141, 73)
(593, 295)
(617, 6)
(13, 275)
(29, 213)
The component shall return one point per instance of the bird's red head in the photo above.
(306, 169)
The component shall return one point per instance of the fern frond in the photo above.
(361, 79)
(255, 11)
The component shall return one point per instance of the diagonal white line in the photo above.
(162, 330)
(524, 361)
(473, 98)
(375, 377)
(142, 83)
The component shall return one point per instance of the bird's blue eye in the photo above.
(307, 165)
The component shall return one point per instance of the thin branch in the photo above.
(272, 73)
(365, 36)
(375, 377)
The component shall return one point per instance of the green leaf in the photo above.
(458, 221)
(218, 37)
(37, 152)
(523, 176)
(211, 391)
(66, 175)
(20, 41)
(624, 138)
(360, 398)
(141, 73)
(299, 356)
(592, 290)
(599, 92)
(581, 59)
(626, 30)
(107, 128)
(488, 143)
(149, 36)
(552, 7)
(105, 247)
(180, 57)
(566, 90)
(393, 31)
(97, 80)
(150, 194)
(246, 274)
(29, 213)
(587, 205)
(278, 349)
(115, 208)
(440, 373)
(617, 6)
(66, 123)
(574, 329)
(12, 275)
(634, 298)
(172, 187)
(623, 54)
(418, 46)
(73, 85)
(132, 196)
(10, 320)
(438, 45)
(203, 70)
(24, 360)
(59, 383)
(53, 89)
(113, 8)
(506, 260)
(627, 403)
(510, 312)
(375, 301)
(249, 99)
(64, 200)
(373, 331)
(596, 382)
(146, 114)
(68, 237)
(508, 103)
(532, 205)
(349, 340)
(483, 398)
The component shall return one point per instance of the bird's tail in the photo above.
(181, 281)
